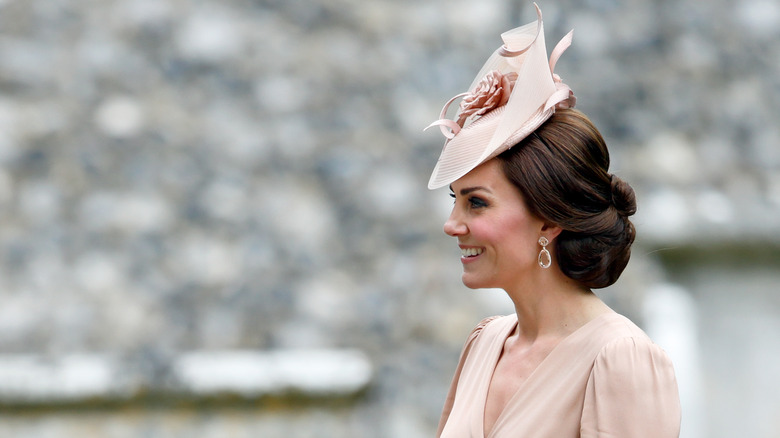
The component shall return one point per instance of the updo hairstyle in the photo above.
(562, 173)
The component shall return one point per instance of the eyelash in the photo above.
(474, 201)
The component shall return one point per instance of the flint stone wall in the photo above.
(233, 176)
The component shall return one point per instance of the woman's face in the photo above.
(496, 233)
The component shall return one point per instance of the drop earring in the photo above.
(545, 259)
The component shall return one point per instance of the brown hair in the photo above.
(562, 172)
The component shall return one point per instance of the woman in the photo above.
(537, 214)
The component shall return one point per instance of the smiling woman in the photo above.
(495, 230)
(538, 214)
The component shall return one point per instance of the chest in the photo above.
(513, 368)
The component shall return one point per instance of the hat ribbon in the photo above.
(443, 123)
(504, 50)
(454, 128)
(563, 97)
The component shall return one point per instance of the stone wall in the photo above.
(249, 176)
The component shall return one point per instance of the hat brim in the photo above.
(466, 151)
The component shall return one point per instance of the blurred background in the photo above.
(214, 219)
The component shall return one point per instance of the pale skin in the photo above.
(499, 238)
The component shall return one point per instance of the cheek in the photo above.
(516, 236)
(489, 232)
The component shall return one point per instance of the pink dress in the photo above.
(607, 379)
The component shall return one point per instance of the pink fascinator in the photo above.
(513, 94)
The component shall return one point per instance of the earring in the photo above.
(545, 259)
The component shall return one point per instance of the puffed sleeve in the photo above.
(450, 400)
(631, 393)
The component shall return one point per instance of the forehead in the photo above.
(488, 174)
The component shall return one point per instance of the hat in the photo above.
(513, 94)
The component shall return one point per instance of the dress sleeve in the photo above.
(450, 400)
(631, 393)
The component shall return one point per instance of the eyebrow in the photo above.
(465, 191)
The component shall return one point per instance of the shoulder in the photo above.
(625, 348)
(488, 325)
(485, 322)
(628, 358)
(614, 326)
(632, 383)
(492, 324)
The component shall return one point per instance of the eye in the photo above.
(477, 202)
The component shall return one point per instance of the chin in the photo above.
(474, 283)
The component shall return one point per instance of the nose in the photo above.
(454, 226)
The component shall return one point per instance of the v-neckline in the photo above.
(501, 340)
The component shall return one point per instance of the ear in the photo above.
(551, 231)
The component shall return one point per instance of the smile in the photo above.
(470, 252)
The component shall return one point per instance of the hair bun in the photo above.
(562, 173)
(623, 197)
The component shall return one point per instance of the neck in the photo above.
(553, 306)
